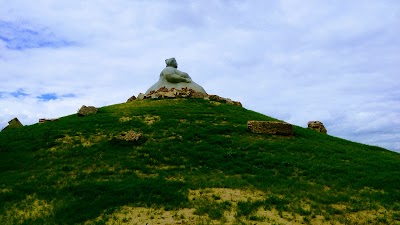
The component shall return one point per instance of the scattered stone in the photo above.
(47, 120)
(14, 123)
(87, 110)
(224, 100)
(216, 98)
(198, 95)
(270, 127)
(317, 126)
(237, 103)
(133, 98)
(184, 92)
(154, 96)
(129, 136)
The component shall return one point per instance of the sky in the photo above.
(335, 61)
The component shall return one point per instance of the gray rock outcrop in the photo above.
(87, 110)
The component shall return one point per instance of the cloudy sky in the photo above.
(336, 61)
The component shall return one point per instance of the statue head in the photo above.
(171, 62)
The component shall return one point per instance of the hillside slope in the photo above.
(197, 164)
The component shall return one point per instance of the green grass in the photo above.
(74, 169)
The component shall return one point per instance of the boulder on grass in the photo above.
(270, 127)
(44, 120)
(317, 126)
(87, 110)
(217, 98)
(141, 96)
(133, 98)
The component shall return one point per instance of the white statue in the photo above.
(171, 77)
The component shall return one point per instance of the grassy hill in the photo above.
(197, 164)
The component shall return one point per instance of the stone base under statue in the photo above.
(164, 92)
(176, 86)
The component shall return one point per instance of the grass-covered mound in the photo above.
(197, 164)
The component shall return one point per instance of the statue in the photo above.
(171, 77)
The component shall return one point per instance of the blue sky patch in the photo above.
(53, 96)
(19, 36)
(48, 97)
(19, 93)
(69, 95)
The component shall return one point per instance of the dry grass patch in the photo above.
(31, 208)
(148, 119)
(77, 140)
(125, 119)
(226, 194)
(146, 175)
(215, 103)
(141, 215)
(5, 190)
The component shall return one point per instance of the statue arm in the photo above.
(183, 74)
(175, 78)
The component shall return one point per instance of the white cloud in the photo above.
(332, 61)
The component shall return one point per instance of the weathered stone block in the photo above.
(87, 110)
(217, 98)
(44, 120)
(133, 98)
(198, 95)
(270, 127)
(317, 126)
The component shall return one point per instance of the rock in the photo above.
(14, 123)
(270, 127)
(198, 95)
(87, 110)
(133, 98)
(169, 94)
(47, 120)
(216, 98)
(317, 126)
(229, 101)
(141, 96)
(129, 136)
(185, 92)
(237, 103)
(154, 96)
